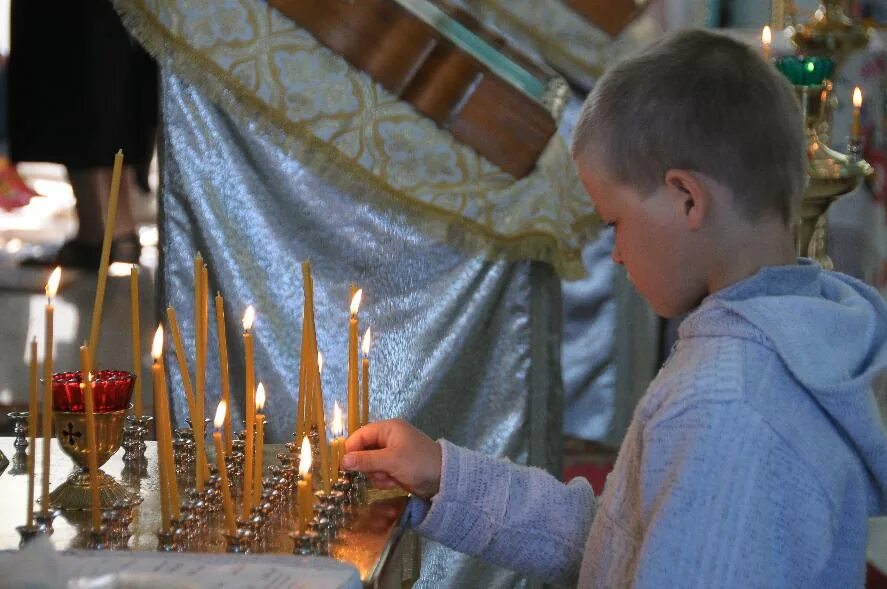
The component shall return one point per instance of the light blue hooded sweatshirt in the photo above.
(753, 460)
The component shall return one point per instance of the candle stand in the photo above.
(239, 542)
(135, 430)
(45, 519)
(98, 539)
(166, 542)
(823, 44)
(368, 537)
(305, 544)
(19, 462)
(28, 533)
(20, 428)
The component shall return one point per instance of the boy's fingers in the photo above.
(380, 479)
(372, 435)
(367, 461)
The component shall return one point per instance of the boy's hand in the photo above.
(393, 453)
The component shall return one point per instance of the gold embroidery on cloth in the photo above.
(260, 67)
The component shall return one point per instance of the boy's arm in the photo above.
(518, 517)
(727, 503)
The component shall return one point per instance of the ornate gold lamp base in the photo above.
(75, 493)
(70, 427)
(832, 175)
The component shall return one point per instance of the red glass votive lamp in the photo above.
(111, 390)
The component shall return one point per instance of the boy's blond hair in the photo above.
(701, 101)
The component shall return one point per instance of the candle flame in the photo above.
(319, 363)
(766, 36)
(337, 426)
(248, 317)
(52, 285)
(219, 421)
(366, 342)
(157, 346)
(305, 457)
(355, 301)
(857, 97)
(260, 397)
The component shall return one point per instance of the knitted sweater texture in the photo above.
(753, 460)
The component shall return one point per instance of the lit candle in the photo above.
(136, 337)
(353, 409)
(248, 318)
(106, 256)
(260, 440)
(32, 428)
(338, 441)
(856, 131)
(365, 380)
(161, 423)
(52, 286)
(179, 346)
(219, 422)
(223, 368)
(305, 490)
(766, 41)
(321, 426)
(86, 386)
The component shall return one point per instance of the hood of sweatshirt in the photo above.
(830, 330)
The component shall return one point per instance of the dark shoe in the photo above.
(126, 249)
(72, 254)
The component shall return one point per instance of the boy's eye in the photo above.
(611, 224)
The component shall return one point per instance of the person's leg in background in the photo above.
(93, 188)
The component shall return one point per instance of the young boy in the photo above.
(757, 453)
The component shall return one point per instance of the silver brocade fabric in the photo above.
(463, 348)
(588, 354)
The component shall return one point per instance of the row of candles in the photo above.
(856, 125)
(310, 412)
(87, 360)
(310, 406)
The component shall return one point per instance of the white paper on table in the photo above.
(38, 567)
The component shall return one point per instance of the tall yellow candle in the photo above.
(321, 426)
(164, 429)
(260, 441)
(91, 442)
(305, 488)
(250, 409)
(136, 338)
(32, 427)
(353, 408)
(307, 355)
(202, 468)
(182, 360)
(223, 369)
(365, 380)
(52, 286)
(338, 444)
(228, 505)
(95, 325)
(161, 423)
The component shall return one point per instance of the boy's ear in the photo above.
(690, 196)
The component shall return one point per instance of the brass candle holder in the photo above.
(830, 33)
(832, 173)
